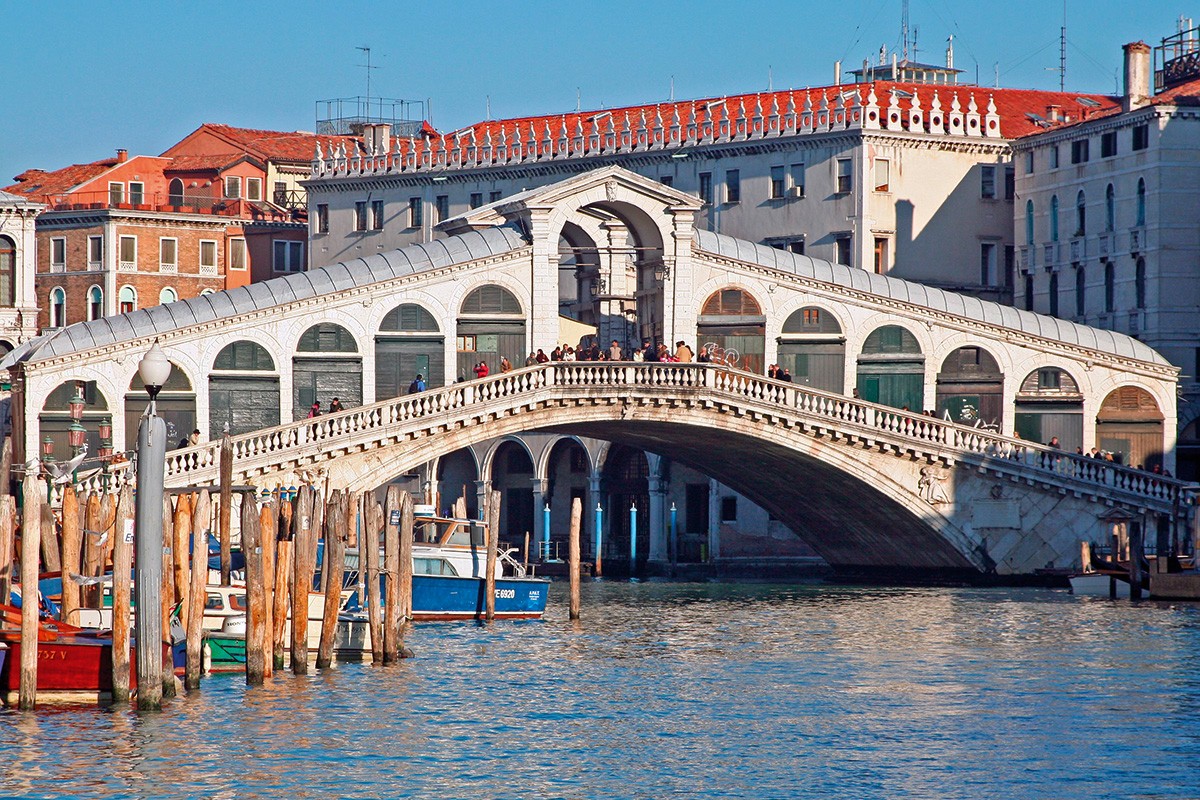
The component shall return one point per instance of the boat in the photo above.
(448, 582)
(74, 665)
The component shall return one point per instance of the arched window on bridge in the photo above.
(970, 387)
(1130, 423)
(55, 418)
(1050, 404)
(813, 349)
(176, 405)
(327, 364)
(490, 324)
(733, 320)
(409, 343)
(512, 475)
(243, 389)
(891, 369)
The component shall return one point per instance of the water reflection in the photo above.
(694, 690)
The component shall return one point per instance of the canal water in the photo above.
(693, 690)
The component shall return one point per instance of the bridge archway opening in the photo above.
(578, 268)
(1130, 423)
(891, 369)
(491, 324)
(567, 471)
(457, 474)
(176, 404)
(512, 475)
(1187, 452)
(1048, 404)
(970, 387)
(733, 320)
(243, 389)
(409, 343)
(625, 481)
(55, 418)
(326, 365)
(813, 348)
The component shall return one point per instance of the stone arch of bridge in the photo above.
(832, 494)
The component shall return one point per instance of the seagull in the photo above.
(33, 466)
(83, 581)
(64, 473)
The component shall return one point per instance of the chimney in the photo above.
(1137, 76)
(837, 73)
(122, 155)
(1054, 113)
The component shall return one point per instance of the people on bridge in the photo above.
(505, 364)
(481, 369)
(335, 405)
(649, 352)
(703, 357)
(542, 358)
(785, 375)
(418, 384)
(773, 372)
(614, 352)
(194, 439)
(529, 362)
(639, 355)
(683, 353)
(315, 411)
(557, 353)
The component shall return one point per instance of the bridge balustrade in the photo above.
(504, 393)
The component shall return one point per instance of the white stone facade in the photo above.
(18, 313)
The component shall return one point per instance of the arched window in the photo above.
(1028, 222)
(1110, 287)
(8, 272)
(167, 295)
(1141, 202)
(1054, 218)
(58, 307)
(1110, 209)
(1080, 284)
(491, 299)
(1080, 214)
(127, 299)
(95, 304)
(175, 192)
(1139, 283)
(244, 356)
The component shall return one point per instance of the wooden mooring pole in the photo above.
(201, 525)
(304, 555)
(255, 596)
(268, 522)
(93, 548)
(573, 556)
(332, 570)
(283, 576)
(168, 595)
(369, 552)
(8, 532)
(122, 534)
(72, 543)
(406, 569)
(391, 566)
(492, 518)
(31, 523)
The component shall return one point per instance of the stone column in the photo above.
(543, 299)
(679, 304)
(658, 490)
(589, 513)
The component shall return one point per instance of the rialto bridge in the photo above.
(894, 446)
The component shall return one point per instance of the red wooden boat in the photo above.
(74, 665)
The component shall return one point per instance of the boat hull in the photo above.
(1099, 584)
(70, 669)
(452, 597)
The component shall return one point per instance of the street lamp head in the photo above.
(76, 405)
(105, 428)
(154, 370)
(48, 449)
(76, 435)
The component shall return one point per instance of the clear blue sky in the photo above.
(84, 78)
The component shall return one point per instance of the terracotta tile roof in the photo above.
(1011, 104)
(213, 163)
(1185, 94)
(295, 146)
(39, 185)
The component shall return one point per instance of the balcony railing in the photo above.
(127, 266)
(1105, 244)
(1078, 250)
(1027, 257)
(170, 268)
(238, 208)
(1051, 254)
(1137, 239)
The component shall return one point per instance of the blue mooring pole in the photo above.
(674, 540)
(632, 540)
(596, 569)
(546, 533)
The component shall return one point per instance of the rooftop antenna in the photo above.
(487, 106)
(578, 99)
(1061, 69)
(904, 28)
(368, 68)
(672, 88)
(770, 79)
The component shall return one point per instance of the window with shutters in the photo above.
(491, 299)
(731, 302)
(244, 356)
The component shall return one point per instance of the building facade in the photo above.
(905, 179)
(1108, 225)
(18, 244)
